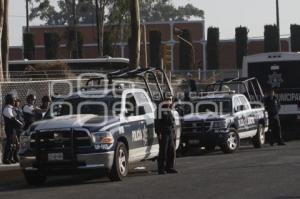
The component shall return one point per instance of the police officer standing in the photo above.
(166, 137)
(19, 129)
(272, 106)
(191, 87)
(30, 111)
(11, 124)
(46, 101)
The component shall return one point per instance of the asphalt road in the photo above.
(270, 172)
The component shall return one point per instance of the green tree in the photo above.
(295, 37)
(60, 13)
(153, 10)
(271, 42)
(241, 40)
(212, 48)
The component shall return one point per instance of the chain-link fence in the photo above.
(41, 84)
(201, 76)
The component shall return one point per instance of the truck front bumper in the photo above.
(84, 162)
(206, 138)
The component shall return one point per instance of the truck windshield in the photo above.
(108, 105)
(214, 105)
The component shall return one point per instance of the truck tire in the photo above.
(259, 139)
(120, 166)
(232, 143)
(35, 178)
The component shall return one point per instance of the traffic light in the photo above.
(167, 57)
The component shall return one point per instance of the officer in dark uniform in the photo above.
(30, 111)
(272, 106)
(166, 137)
(46, 101)
(19, 116)
(11, 124)
(191, 87)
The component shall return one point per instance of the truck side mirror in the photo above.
(239, 108)
(141, 110)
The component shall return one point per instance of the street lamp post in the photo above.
(27, 16)
(177, 32)
(75, 28)
(278, 22)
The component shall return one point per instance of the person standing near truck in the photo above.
(166, 137)
(11, 124)
(272, 106)
(30, 111)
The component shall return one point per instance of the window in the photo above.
(244, 102)
(143, 101)
(130, 105)
(237, 104)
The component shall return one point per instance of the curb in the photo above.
(10, 174)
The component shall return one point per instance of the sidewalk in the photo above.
(9, 173)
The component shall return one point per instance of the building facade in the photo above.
(120, 43)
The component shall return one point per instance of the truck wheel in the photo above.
(259, 139)
(35, 177)
(120, 166)
(233, 142)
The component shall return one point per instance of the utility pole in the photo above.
(27, 16)
(135, 34)
(98, 27)
(145, 44)
(278, 21)
(75, 28)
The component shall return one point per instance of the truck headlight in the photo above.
(102, 138)
(220, 124)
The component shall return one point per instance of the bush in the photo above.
(107, 44)
(295, 38)
(241, 40)
(213, 40)
(155, 49)
(28, 44)
(271, 42)
(75, 49)
(51, 40)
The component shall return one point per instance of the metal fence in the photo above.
(45, 83)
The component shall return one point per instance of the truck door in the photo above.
(249, 114)
(244, 117)
(147, 114)
(133, 127)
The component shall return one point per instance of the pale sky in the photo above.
(225, 14)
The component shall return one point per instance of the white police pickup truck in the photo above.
(92, 130)
(223, 119)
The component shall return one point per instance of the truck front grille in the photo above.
(60, 139)
(196, 127)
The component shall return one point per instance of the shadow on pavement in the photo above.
(65, 181)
